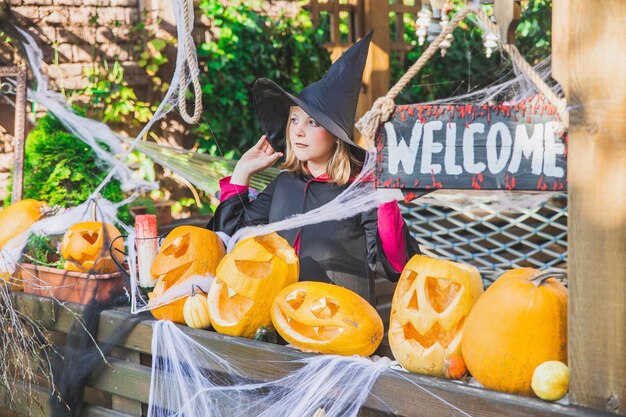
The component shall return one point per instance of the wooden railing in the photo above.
(121, 388)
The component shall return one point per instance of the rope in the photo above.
(529, 71)
(384, 106)
(191, 64)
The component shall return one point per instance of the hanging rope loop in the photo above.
(383, 107)
(191, 65)
(380, 113)
(521, 63)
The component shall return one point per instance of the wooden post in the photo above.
(19, 131)
(377, 70)
(589, 58)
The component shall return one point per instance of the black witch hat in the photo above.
(331, 101)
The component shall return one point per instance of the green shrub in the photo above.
(247, 46)
(60, 169)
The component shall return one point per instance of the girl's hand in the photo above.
(258, 158)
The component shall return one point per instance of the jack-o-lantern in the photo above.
(85, 247)
(17, 218)
(187, 251)
(247, 280)
(429, 307)
(519, 323)
(327, 318)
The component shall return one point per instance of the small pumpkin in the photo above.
(550, 380)
(246, 282)
(187, 251)
(85, 247)
(428, 311)
(196, 310)
(18, 217)
(327, 318)
(519, 323)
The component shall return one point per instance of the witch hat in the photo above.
(331, 101)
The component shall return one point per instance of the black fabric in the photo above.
(331, 101)
(345, 252)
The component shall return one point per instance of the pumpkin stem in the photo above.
(550, 273)
(196, 289)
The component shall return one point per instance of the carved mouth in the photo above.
(232, 305)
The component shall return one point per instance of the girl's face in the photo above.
(309, 141)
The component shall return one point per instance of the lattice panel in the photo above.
(491, 240)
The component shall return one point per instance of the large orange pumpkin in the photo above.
(519, 323)
(17, 218)
(187, 251)
(247, 280)
(429, 307)
(85, 247)
(327, 318)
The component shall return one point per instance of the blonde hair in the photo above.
(341, 166)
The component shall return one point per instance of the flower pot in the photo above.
(75, 287)
(162, 210)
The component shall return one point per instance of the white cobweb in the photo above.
(210, 385)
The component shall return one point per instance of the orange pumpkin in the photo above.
(326, 318)
(17, 218)
(247, 280)
(519, 323)
(85, 247)
(187, 251)
(429, 307)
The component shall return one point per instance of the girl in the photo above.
(321, 160)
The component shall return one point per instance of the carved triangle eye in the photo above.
(254, 269)
(178, 247)
(324, 308)
(441, 293)
(295, 298)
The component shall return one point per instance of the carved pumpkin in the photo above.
(196, 310)
(326, 318)
(85, 247)
(519, 323)
(429, 307)
(247, 280)
(17, 218)
(187, 251)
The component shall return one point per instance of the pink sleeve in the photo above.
(227, 190)
(391, 233)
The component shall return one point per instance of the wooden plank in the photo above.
(376, 75)
(595, 59)
(404, 394)
(41, 396)
(507, 14)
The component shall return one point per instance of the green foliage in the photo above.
(248, 46)
(110, 97)
(61, 169)
(41, 250)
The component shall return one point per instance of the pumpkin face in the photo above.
(326, 318)
(187, 251)
(428, 311)
(85, 247)
(247, 280)
(196, 311)
(516, 325)
(17, 218)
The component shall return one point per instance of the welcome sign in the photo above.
(490, 147)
